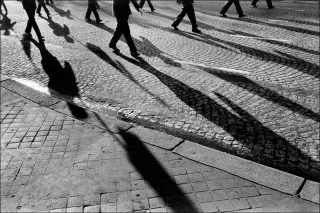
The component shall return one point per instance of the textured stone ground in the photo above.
(249, 86)
(51, 161)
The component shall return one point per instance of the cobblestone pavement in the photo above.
(248, 86)
(51, 161)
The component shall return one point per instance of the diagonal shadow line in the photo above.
(302, 66)
(239, 127)
(302, 22)
(263, 92)
(151, 170)
(254, 21)
(116, 64)
(276, 42)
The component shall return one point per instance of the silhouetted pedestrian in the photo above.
(2, 4)
(41, 3)
(92, 7)
(121, 10)
(227, 6)
(187, 8)
(269, 3)
(149, 3)
(30, 7)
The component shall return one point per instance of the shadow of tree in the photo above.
(266, 146)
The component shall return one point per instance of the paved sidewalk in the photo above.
(53, 161)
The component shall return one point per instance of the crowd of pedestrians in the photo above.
(121, 11)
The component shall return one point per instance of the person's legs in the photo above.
(127, 35)
(33, 24)
(238, 8)
(88, 13)
(226, 7)
(117, 33)
(96, 14)
(39, 9)
(191, 16)
(142, 3)
(269, 3)
(179, 18)
(150, 5)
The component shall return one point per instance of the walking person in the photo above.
(269, 3)
(227, 6)
(121, 10)
(149, 3)
(30, 7)
(41, 4)
(92, 7)
(187, 8)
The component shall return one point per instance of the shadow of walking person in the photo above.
(60, 31)
(62, 81)
(6, 25)
(61, 12)
(153, 172)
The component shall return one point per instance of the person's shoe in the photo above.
(27, 36)
(88, 19)
(98, 6)
(196, 30)
(39, 14)
(114, 47)
(174, 27)
(254, 5)
(242, 16)
(135, 54)
(223, 15)
(152, 10)
(98, 21)
(272, 7)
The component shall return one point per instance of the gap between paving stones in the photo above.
(252, 171)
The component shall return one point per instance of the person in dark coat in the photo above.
(187, 8)
(92, 7)
(121, 10)
(30, 7)
(41, 4)
(227, 6)
(149, 3)
(269, 3)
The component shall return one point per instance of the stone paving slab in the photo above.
(311, 191)
(249, 170)
(61, 164)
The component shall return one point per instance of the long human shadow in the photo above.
(6, 25)
(151, 170)
(285, 60)
(263, 92)
(61, 12)
(277, 42)
(62, 80)
(116, 64)
(238, 126)
(60, 31)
